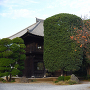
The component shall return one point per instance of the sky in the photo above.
(15, 15)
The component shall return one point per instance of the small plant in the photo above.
(1, 79)
(4, 81)
(13, 81)
(88, 76)
(33, 80)
(66, 78)
(61, 78)
(71, 82)
(56, 81)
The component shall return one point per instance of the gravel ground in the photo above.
(42, 86)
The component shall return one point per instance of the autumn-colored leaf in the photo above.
(71, 37)
(83, 36)
(81, 45)
(75, 39)
(78, 42)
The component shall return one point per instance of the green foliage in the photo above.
(61, 78)
(13, 81)
(4, 81)
(12, 56)
(15, 47)
(1, 79)
(7, 53)
(15, 71)
(87, 53)
(59, 49)
(88, 77)
(71, 82)
(66, 78)
(22, 57)
(56, 81)
(3, 48)
(34, 80)
(18, 40)
(6, 42)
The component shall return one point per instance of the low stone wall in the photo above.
(27, 80)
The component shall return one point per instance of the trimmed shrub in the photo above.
(61, 78)
(71, 82)
(56, 81)
(67, 78)
(1, 79)
(59, 48)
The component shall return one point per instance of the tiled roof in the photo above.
(36, 29)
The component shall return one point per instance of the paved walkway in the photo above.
(42, 86)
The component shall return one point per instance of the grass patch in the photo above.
(13, 81)
(4, 81)
(69, 82)
(1, 79)
(34, 80)
(61, 83)
(56, 81)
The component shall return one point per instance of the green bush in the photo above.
(13, 81)
(61, 78)
(4, 81)
(67, 78)
(1, 79)
(88, 76)
(71, 82)
(59, 48)
(34, 80)
(56, 81)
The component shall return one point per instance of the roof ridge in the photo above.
(37, 19)
(34, 27)
(21, 30)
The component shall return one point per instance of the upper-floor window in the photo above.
(39, 47)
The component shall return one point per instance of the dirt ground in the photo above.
(49, 82)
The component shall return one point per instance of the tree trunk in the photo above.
(61, 72)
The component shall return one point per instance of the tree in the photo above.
(12, 54)
(5, 57)
(18, 48)
(61, 52)
(82, 36)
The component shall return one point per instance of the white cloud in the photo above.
(32, 1)
(14, 3)
(17, 8)
(79, 3)
(19, 13)
(26, 8)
